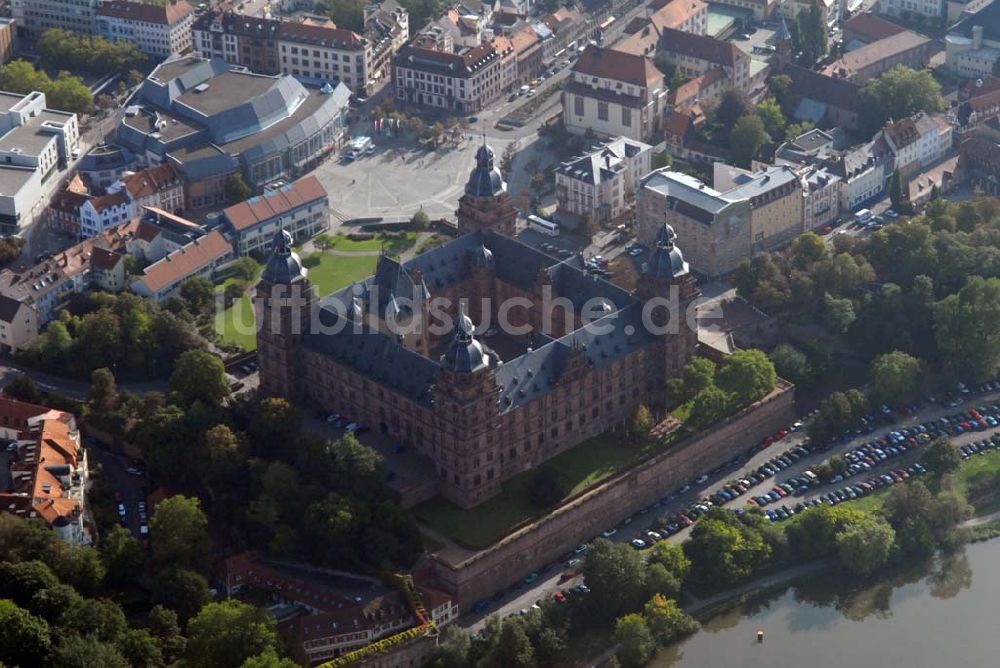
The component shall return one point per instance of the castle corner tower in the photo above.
(283, 301)
(486, 205)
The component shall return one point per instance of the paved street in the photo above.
(637, 526)
(131, 487)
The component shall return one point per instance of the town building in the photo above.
(33, 17)
(980, 153)
(776, 202)
(830, 10)
(761, 10)
(864, 28)
(159, 30)
(204, 256)
(821, 190)
(861, 170)
(979, 104)
(716, 227)
(614, 94)
(823, 99)
(869, 61)
(35, 142)
(8, 40)
(464, 82)
(567, 26)
(599, 187)
(482, 407)
(210, 120)
(104, 164)
(83, 214)
(313, 53)
(972, 46)
(49, 474)
(644, 33)
(334, 613)
(301, 208)
(916, 142)
(697, 55)
(958, 9)
(928, 9)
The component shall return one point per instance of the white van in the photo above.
(863, 216)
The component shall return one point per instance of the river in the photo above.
(942, 613)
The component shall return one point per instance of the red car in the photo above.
(561, 597)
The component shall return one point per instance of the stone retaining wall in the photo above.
(584, 517)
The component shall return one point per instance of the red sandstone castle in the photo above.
(482, 405)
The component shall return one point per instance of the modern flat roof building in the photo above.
(211, 119)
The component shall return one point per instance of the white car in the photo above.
(702, 478)
(351, 428)
(638, 543)
(609, 533)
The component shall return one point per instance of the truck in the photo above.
(360, 146)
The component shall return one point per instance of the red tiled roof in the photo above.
(16, 409)
(258, 209)
(107, 201)
(699, 46)
(186, 261)
(168, 14)
(311, 33)
(870, 28)
(617, 65)
(104, 260)
(150, 181)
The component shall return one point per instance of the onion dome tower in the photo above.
(486, 205)
(283, 303)
(667, 279)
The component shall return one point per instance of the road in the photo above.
(74, 389)
(635, 527)
(131, 487)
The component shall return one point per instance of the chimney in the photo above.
(977, 37)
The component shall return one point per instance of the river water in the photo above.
(938, 614)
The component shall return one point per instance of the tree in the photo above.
(514, 648)
(103, 392)
(134, 78)
(748, 136)
(163, 624)
(640, 424)
(667, 621)
(896, 189)
(894, 377)
(236, 188)
(24, 638)
(839, 313)
(941, 456)
(420, 220)
(671, 556)
(661, 581)
(76, 651)
(811, 34)
(224, 635)
(634, 640)
(709, 407)
(770, 114)
(546, 488)
(815, 532)
(747, 375)
(781, 88)
(616, 576)
(965, 329)
(19, 581)
(269, 659)
(698, 375)
(732, 107)
(723, 551)
(181, 531)
(24, 388)
(507, 157)
(806, 250)
(897, 94)
(791, 363)
(453, 648)
(140, 649)
(10, 249)
(122, 555)
(200, 375)
(863, 546)
(198, 292)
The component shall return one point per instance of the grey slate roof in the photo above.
(380, 357)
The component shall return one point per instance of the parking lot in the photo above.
(552, 578)
(131, 488)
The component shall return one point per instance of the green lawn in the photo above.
(393, 245)
(581, 467)
(331, 273)
(980, 467)
(334, 272)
